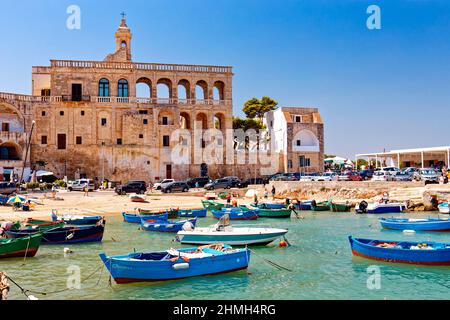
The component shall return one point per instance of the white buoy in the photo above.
(67, 251)
(409, 232)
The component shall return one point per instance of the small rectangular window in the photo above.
(119, 142)
(104, 122)
(165, 121)
(143, 112)
(43, 139)
(82, 112)
(141, 136)
(299, 143)
(145, 121)
(61, 113)
(79, 140)
(5, 126)
(43, 113)
(45, 92)
(61, 141)
(290, 164)
(166, 141)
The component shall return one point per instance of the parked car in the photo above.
(410, 171)
(286, 177)
(305, 177)
(158, 185)
(174, 187)
(355, 176)
(201, 182)
(401, 176)
(252, 181)
(8, 188)
(328, 176)
(428, 175)
(380, 175)
(344, 176)
(79, 185)
(366, 174)
(139, 187)
(224, 183)
(391, 170)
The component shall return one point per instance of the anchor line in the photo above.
(273, 264)
(25, 291)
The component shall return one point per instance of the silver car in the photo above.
(428, 175)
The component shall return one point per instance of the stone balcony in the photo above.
(15, 137)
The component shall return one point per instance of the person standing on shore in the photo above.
(86, 190)
(273, 192)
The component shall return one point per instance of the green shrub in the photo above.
(32, 185)
(61, 183)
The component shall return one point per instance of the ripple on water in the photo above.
(322, 264)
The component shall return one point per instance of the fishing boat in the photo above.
(424, 253)
(78, 220)
(213, 205)
(236, 214)
(175, 264)
(272, 205)
(380, 207)
(224, 232)
(167, 226)
(264, 212)
(441, 225)
(40, 225)
(340, 207)
(138, 198)
(321, 206)
(173, 213)
(137, 219)
(193, 213)
(64, 235)
(303, 205)
(444, 208)
(23, 247)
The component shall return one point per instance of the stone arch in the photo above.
(219, 90)
(307, 139)
(12, 115)
(165, 118)
(219, 121)
(185, 120)
(201, 120)
(10, 151)
(185, 92)
(164, 84)
(144, 88)
(201, 90)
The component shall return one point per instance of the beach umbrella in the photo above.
(16, 199)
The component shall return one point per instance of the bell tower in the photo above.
(123, 41)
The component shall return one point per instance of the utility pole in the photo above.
(26, 152)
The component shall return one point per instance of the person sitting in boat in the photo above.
(255, 199)
(385, 198)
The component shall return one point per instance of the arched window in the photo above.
(122, 89)
(103, 88)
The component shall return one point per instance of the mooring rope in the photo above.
(273, 264)
(25, 291)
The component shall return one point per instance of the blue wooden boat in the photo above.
(303, 206)
(77, 220)
(444, 208)
(271, 206)
(236, 214)
(424, 253)
(65, 235)
(176, 264)
(137, 219)
(194, 213)
(441, 225)
(380, 208)
(166, 225)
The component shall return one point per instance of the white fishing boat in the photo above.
(380, 207)
(444, 208)
(224, 232)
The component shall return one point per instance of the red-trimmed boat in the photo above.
(22, 247)
(424, 253)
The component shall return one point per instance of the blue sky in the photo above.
(376, 89)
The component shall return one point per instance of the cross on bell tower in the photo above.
(123, 37)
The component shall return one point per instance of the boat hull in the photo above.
(274, 213)
(212, 205)
(83, 221)
(172, 214)
(67, 235)
(166, 226)
(195, 213)
(435, 225)
(334, 207)
(303, 206)
(361, 248)
(236, 239)
(236, 215)
(137, 219)
(383, 208)
(444, 208)
(126, 271)
(14, 248)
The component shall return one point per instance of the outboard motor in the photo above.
(313, 203)
(362, 207)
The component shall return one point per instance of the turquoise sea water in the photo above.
(320, 257)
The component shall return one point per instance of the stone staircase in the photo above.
(405, 194)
